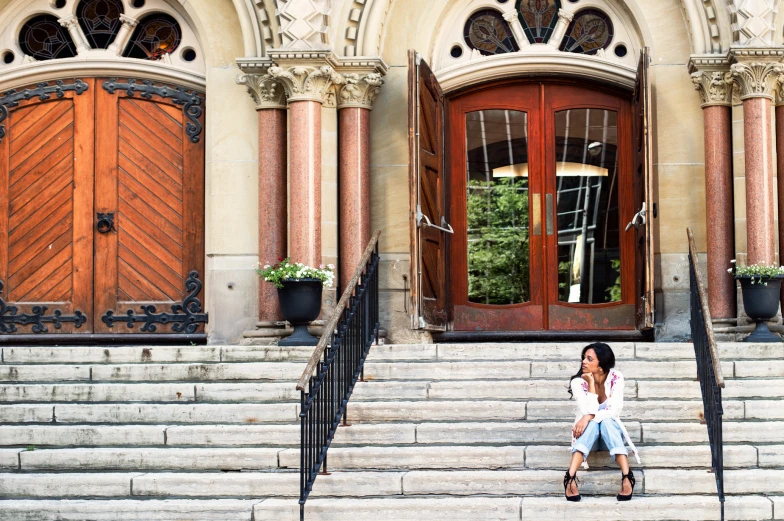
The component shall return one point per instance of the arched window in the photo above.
(589, 31)
(155, 36)
(538, 18)
(100, 21)
(487, 32)
(44, 38)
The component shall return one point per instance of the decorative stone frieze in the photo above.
(304, 23)
(753, 22)
(756, 79)
(715, 87)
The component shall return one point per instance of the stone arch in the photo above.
(709, 27)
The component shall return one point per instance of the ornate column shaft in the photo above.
(716, 94)
(307, 80)
(757, 81)
(271, 108)
(354, 101)
(124, 34)
(517, 28)
(564, 19)
(72, 24)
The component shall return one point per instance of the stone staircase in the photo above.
(458, 432)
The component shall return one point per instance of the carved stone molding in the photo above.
(266, 91)
(715, 87)
(306, 83)
(359, 91)
(304, 23)
(756, 79)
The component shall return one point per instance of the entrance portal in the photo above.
(541, 188)
(102, 197)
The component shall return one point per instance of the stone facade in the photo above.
(313, 59)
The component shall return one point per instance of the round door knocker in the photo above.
(105, 222)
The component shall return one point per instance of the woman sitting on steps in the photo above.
(598, 390)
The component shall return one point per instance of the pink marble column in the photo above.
(272, 203)
(354, 196)
(758, 151)
(720, 226)
(780, 183)
(305, 182)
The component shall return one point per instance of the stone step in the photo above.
(255, 371)
(639, 410)
(660, 508)
(110, 355)
(141, 459)
(735, 388)
(736, 482)
(128, 510)
(651, 456)
(733, 431)
(82, 435)
(174, 413)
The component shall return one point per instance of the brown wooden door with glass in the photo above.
(541, 190)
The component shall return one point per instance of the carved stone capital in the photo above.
(130, 22)
(266, 91)
(566, 15)
(715, 87)
(756, 79)
(359, 91)
(69, 21)
(306, 83)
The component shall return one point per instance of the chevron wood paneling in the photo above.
(41, 203)
(150, 203)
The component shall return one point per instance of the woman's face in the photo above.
(591, 362)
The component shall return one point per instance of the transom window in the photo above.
(151, 30)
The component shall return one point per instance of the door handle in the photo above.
(420, 217)
(105, 222)
(548, 203)
(638, 219)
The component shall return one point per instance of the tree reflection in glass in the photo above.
(497, 207)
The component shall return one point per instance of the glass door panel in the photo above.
(588, 215)
(497, 207)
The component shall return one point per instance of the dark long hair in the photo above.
(604, 354)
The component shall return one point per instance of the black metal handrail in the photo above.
(333, 369)
(708, 368)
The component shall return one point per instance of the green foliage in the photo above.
(757, 272)
(498, 242)
(287, 270)
(614, 291)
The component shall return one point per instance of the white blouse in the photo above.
(588, 403)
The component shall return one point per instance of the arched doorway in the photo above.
(102, 183)
(529, 206)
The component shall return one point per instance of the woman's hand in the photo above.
(588, 377)
(580, 426)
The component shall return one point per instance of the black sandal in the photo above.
(567, 481)
(632, 481)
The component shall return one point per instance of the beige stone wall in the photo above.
(231, 176)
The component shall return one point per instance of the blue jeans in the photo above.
(606, 435)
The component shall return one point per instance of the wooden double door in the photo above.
(102, 208)
(529, 206)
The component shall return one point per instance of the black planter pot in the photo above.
(761, 303)
(300, 304)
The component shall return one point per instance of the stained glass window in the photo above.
(487, 32)
(538, 18)
(44, 38)
(589, 31)
(100, 21)
(155, 36)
